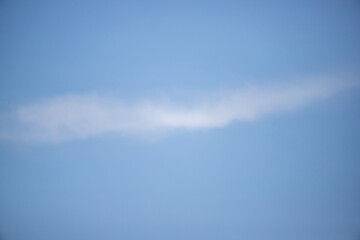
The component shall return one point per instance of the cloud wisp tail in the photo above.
(81, 116)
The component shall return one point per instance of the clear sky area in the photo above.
(179, 120)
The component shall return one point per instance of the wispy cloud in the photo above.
(81, 116)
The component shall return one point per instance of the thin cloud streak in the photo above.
(81, 116)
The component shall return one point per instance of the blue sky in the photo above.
(179, 120)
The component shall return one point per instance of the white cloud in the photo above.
(80, 116)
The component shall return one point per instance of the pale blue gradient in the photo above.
(289, 175)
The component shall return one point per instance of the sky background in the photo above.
(179, 119)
